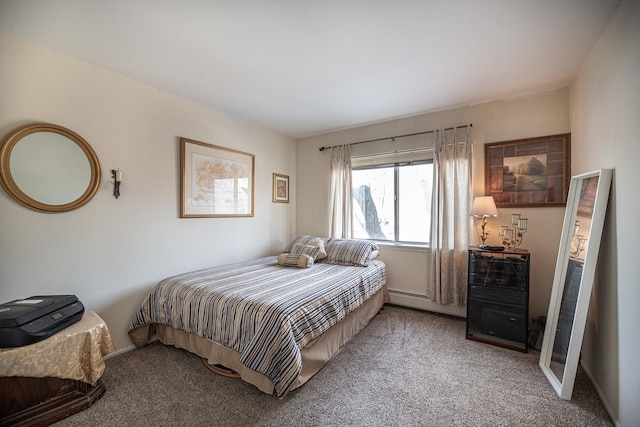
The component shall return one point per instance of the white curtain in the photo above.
(340, 193)
(450, 217)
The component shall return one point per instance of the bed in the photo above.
(275, 321)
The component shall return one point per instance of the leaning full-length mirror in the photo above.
(48, 168)
(573, 279)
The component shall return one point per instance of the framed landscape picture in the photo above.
(531, 172)
(215, 181)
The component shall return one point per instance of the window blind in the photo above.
(399, 158)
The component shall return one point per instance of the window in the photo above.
(392, 197)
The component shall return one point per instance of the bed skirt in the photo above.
(314, 356)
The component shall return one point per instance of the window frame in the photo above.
(396, 197)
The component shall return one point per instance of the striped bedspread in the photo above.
(265, 311)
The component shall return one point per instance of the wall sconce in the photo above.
(116, 174)
(484, 207)
(512, 237)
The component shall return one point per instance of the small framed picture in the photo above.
(280, 188)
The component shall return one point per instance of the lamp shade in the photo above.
(484, 206)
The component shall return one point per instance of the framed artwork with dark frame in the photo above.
(215, 181)
(280, 188)
(532, 172)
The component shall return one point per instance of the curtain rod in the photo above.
(397, 136)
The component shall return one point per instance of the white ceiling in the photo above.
(306, 67)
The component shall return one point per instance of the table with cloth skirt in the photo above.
(47, 381)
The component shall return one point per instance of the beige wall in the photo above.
(111, 252)
(605, 120)
(540, 115)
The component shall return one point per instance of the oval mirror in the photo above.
(48, 168)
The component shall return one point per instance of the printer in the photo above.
(27, 321)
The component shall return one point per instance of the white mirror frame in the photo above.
(564, 386)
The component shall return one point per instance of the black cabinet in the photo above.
(498, 297)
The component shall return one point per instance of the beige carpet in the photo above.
(407, 368)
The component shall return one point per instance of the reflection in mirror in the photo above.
(48, 168)
(565, 317)
(573, 280)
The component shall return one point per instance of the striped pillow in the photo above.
(312, 251)
(301, 260)
(311, 241)
(349, 252)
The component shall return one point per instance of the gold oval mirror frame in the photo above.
(63, 137)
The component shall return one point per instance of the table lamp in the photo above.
(484, 207)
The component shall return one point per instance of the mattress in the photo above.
(263, 311)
